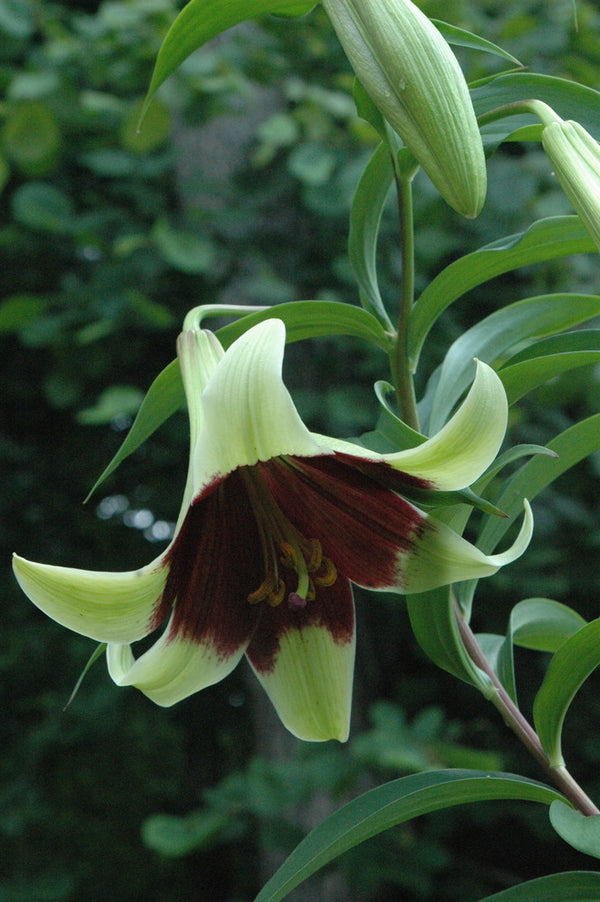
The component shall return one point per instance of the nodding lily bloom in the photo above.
(275, 523)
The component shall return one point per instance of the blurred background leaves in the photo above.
(237, 189)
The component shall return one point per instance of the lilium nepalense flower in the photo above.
(275, 523)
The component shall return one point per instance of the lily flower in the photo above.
(275, 524)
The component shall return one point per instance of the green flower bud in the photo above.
(575, 158)
(410, 73)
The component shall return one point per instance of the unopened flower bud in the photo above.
(575, 158)
(411, 74)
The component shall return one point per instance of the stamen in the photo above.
(288, 556)
(292, 558)
(276, 597)
(315, 555)
(264, 591)
(329, 574)
(283, 547)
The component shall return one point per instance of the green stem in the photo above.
(538, 108)
(520, 726)
(402, 376)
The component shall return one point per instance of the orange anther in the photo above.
(329, 574)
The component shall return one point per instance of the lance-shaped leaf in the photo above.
(200, 20)
(572, 664)
(395, 803)
(547, 239)
(494, 337)
(570, 886)
(365, 217)
(571, 446)
(540, 624)
(570, 100)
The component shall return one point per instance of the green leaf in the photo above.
(19, 310)
(572, 664)
(461, 38)
(395, 803)
(365, 218)
(151, 134)
(39, 205)
(546, 239)
(523, 377)
(312, 319)
(202, 20)
(571, 886)
(31, 138)
(581, 832)
(163, 398)
(97, 653)
(17, 18)
(499, 653)
(434, 624)
(367, 110)
(580, 340)
(493, 337)
(536, 623)
(294, 10)
(542, 624)
(390, 426)
(183, 250)
(515, 452)
(312, 163)
(570, 447)
(175, 837)
(117, 400)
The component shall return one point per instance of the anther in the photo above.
(276, 596)
(289, 555)
(329, 574)
(315, 555)
(264, 591)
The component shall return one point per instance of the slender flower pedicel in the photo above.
(275, 523)
(413, 77)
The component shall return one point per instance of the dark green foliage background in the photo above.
(237, 190)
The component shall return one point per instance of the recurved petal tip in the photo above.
(107, 607)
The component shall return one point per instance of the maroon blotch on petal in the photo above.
(214, 563)
(362, 526)
(332, 609)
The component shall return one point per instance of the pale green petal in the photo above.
(198, 352)
(311, 684)
(107, 607)
(172, 669)
(248, 412)
(463, 449)
(441, 557)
